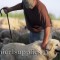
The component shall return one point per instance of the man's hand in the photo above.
(43, 45)
(37, 29)
(6, 10)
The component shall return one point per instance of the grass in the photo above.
(14, 15)
(21, 16)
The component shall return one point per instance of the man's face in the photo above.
(30, 3)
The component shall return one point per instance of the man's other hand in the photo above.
(6, 10)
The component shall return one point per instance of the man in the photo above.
(37, 19)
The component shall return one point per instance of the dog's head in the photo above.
(52, 48)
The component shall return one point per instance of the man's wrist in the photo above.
(44, 43)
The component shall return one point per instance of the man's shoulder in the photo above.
(41, 5)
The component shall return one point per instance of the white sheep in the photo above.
(33, 51)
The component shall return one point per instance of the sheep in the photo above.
(16, 36)
(33, 51)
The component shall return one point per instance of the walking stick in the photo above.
(9, 26)
(8, 23)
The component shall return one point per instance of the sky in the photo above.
(51, 5)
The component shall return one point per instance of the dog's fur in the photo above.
(33, 51)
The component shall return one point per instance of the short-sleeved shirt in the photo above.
(37, 17)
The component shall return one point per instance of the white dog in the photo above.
(33, 51)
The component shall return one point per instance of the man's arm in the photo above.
(47, 25)
(16, 7)
(46, 36)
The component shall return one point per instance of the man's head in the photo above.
(30, 3)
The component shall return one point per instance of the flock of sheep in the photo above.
(20, 36)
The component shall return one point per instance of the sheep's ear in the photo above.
(49, 46)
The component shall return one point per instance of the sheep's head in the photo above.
(53, 47)
(6, 40)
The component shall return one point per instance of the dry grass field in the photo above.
(16, 24)
(56, 23)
